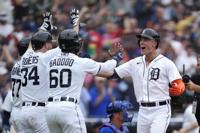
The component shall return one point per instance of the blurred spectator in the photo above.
(118, 7)
(130, 29)
(112, 33)
(85, 97)
(190, 124)
(169, 9)
(144, 10)
(187, 54)
(4, 84)
(29, 24)
(7, 57)
(94, 43)
(3, 87)
(197, 42)
(5, 28)
(185, 22)
(158, 19)
(6, 6)
(100, 98)
(21, 8)
(167, 50)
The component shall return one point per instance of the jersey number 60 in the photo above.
(55, 75)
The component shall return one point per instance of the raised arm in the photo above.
(107, 68)
(7, 55)
(47, 23)
(74, 14)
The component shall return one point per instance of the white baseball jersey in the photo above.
(34, 75)
(16, 84)
(66, 76)
(67, 72)
(151, 82)
(33, 72)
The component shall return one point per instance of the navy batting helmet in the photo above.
(120, 106)
(149, 34)
(69, 41)
(39, 39)
(23, 45)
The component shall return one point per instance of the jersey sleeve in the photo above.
(107, 66)
(173, 72)
(90, 66)
(7, 104)
(123, 70)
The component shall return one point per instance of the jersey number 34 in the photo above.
(31, 74)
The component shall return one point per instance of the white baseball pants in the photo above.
(153, 119)
(15, 119)
(33, 119)
(65, 117)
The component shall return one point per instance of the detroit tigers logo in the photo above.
(154, 73)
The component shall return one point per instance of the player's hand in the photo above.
(116, 51)
(74, 14)
(175, 131)
(183, 130)
(47, 22)
(190, 85)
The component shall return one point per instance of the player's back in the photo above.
(16, 84)
(67, 73)
(34, 77)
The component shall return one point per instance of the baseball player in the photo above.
(34, 87)
(66, 76)
(117, 113)
(34, 83)
(12, 102)
(151, 74)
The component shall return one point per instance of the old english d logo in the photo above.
(154, 73)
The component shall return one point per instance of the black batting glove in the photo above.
(118, 57)
(47, 22)
(74, 14)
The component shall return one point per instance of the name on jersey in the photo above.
(15, 71)
(30, 60)
(61, 62)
